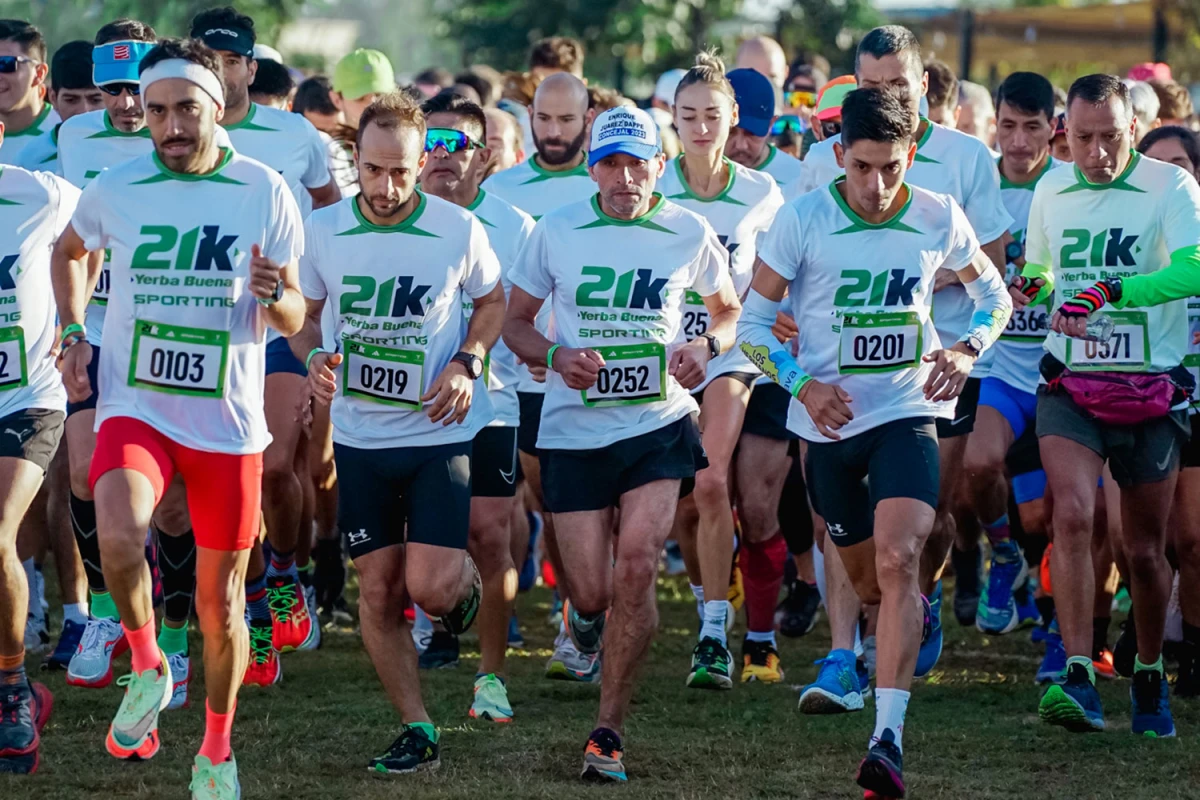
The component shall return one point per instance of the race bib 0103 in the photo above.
(14, 372)
(383, 374)
(695, 316)
(1127, 350)
(632, 374)
(879, 342)
(179, 360)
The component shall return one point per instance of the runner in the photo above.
(453, 144)
(404, 405)
(1149, 263)
(24, 111)
(204, 366)
(555, 176)
(617, 424)
(740, 204)
(36, 209)
(750, 140)
(871, 395)
(72, 93)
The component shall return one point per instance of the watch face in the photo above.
(1013, 251)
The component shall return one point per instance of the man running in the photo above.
(405, 407)
(617, 425)
(750, 139)
(204, 248)
(36, 209)
(873, 376)
(1105, 254)
(24, 111)
(72, 93)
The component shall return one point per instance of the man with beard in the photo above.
(554, 177)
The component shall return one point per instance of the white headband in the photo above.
(187, 70)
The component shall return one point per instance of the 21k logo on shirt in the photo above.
(631, 289)
(199, 249)
(400, 296)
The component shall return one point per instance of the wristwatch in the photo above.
(714, 346)
(974, 344)
(472, 362)
(276, 295)
(1013, 251)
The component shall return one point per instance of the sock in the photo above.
(1045, 607)
(819, 571)
(698, 593)
(426, 728)
(421, 621)
(966, 570)
(714, 620)
(1086, 663)
(177, 564)
(75, 612)
(1099, 635)
(282, 564)
(1138, 666)
(890, 705)
(103, 606)
(217, 730)
(256, 600)
(173, 641)
(12, 669)
(306, 573)
(143, 648)
(997, 531)
(760, 636)
(83, 524)
(762, 578)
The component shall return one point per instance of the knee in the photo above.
(982, 462)
(759, 520)
(278, 476)
(381, 599)
(635, 573)
(172, 517)
(79, 481)
(489, 548)
(1144, 554)
(896, 563)
(220, 616)
(1187, 548)
(1072, 523)
(436, 595)
(712, 487)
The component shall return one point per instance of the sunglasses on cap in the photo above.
(450, 139)
(788, 122)
(800, 99)
(115, 89)
(10, 64)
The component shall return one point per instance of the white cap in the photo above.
(668, 82)
(623, 130)
(264, 52)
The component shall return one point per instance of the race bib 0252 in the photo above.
(632, 374)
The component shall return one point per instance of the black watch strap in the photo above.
(472, 362)
(714, 346)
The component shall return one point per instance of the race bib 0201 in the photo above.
(879, 342)
(1127, 350)
(383, 374)
(632, 374)
(695, 316)
(179, 360)
(14, 372)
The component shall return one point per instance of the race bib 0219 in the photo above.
(383, 374)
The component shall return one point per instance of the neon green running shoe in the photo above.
(491, 700)
(711, 665)
(215, 781)
(133, 734)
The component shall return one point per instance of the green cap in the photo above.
(829, 100)
(363, 72)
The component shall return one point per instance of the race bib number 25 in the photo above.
(179, 360)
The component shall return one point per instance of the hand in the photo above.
(264, 274)
(538, 374)
(73, 364)
(578, 366)
(828, 406)
(951, 368)
(451, 394)
(321, 378)
(689, 363)
(1196, 337)
(785, 328)
(1022, 290)
(943, 278)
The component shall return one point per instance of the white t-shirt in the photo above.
(507, 229)
(397, 294)
(34, 209)
(184, 346)
(1087, 232)
(288, 144)
(618, 286)
(16, 141)
(782, 167)
(41, 154)
(860, 294)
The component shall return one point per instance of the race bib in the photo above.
(14, 372)
(178, 360)
(632, 374)
(104, 282)
(383, 374)
(1127, 350)
(879, 342)
(1028, 324)
(695, 316)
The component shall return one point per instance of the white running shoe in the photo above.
(314, 635)
(181, 673)
(91, 666)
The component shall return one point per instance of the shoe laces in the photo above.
(260, 644)
(136, 687)
(281, 600)
(709, 650)
(209, 778)
(604, 742)
(94, 635)
(411, 742)
(14, 710)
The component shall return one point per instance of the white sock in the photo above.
(890, 705)
(761, 636)
(75, 612)
(698, 593)
(421, 621)
(858, 650)
(819, 569)
(714, 620)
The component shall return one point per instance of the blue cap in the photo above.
(755, 99)
(117, 62)
(623, 130)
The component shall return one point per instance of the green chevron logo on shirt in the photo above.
(885, 288)
(201, 248)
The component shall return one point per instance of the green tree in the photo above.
(831, 28)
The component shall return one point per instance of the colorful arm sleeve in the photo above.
(760, 345)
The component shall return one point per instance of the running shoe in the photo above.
(530, 567)
(673, 559)
(491, 700)
(265, 668)
(931, 637)
(1125, 650)
(837, 688)
(68, 643)
(864, 676)
(215, 781)
(588, 635)
(1027, 610)
(1102, 663)
(313, 641)
(602, 757)
(1187, 682)
(798, 612)
(997, 611)
(711, 665)
(91, 666)
(37, 635)
(515, 639)
(881, 773)
(870, 655)
(339, 613)
(1054, 663)
(1073, 704)
(459, 619)
(24, 710)
(441, 653)
(291, 625)
(554, 618)
(133, 734)
(181, 676)
(413, 751)
(968, 577)
(568, 664)
(1151, 706)
(760, 662)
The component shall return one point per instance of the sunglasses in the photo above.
(10, 64)
(115, 89)
(788, 123)
(449, 139)
(800, 99)
(830, 129)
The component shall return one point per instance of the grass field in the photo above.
(972, 732)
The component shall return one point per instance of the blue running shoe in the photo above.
(527, 578)
(1074, 704)
(1027, 610)
(1151, 708)
(1039, 635)
(515, 639)
(1054, 663)
(864, 677)
(931, 638)
(837, 688)
(68, 643)
(997, 612)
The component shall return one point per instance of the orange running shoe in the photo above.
(291, 624)
(1044, 572)
(1104, 665)
(264, 668)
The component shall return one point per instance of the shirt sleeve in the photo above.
(531, 271)
(712, 264)
(312, 285)
(285, 235)
(1180, 278)
(783, 248)
(982, 200)
(68, 200)
(87, 216)
(962, 244)
(483, 268)
(1181, 215)
(316, 170)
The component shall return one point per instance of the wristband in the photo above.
(312, 353)
(800, 384)
(74, 328)
(550, 355)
